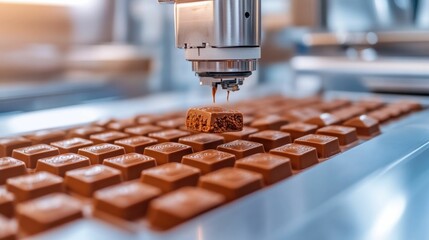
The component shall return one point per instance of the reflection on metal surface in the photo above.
(388, 217)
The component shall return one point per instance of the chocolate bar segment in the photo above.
(170, 135)
(128, 200)
(143, 130)
(270, 122)
(232, 183)
(34, 185)
(60, 164)
(171, 176)
(209, 160)
(301, 156)
(131, 165)
(108, 137)
(365, 126)
(47, 212)
(168, 152)
(172, 123)
(46, 136)
(30, 155)
(136, 144)
(324, 119)
(85, 132)
(345, 135)
(7, 145)
(214, 120)
(241, 135)
(202, 141)
(7, 230)
(10, 167)
(272, 167)
(326, 145)
(85, 181)
(271, 138)
(7, 207)
(71, 145)
(241, 148)
(181, 205)
(297, 130)
(99, 152)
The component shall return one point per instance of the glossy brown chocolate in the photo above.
(270, 122)
(47, 212)
(121, 125)
(72, 145)
(7, 145)
(171, 176)
(8, 230)
(46, 136)
(301, 156)
(209, 160)
(345, 135)
(241, 148)
(10, 167)
(170, 135)
(326, 145)
(271, 138)
(324, 119)
(60, 164)
(30, 155)
(297, 130)
(172, 123)
(232, 183)
(202, 141)
(181, 205)
(214, 120)
(131, 165)
(85, 181)
(128, 200)
(273, 168)
(7, 206)
(365, 125)
(99, 152)
(142, 130)
(34, 185)
(242, 135)
(168, 152)
(136, 144)
(107, 137)
(85, 132)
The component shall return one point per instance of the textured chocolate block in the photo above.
(214, 120)
(60, 164)
(33, 186)
(272, 167)
(233, 183)
(7, 207)
(7, 230)
(7, 145)
(181, 205)
(30, 155)
(326, 146)
(209, 160)
(171, 176)
(128, 200)
(47, 212)
(202, 141)
(301, 156)
(85, 181)
(10, 167)
(131, 164)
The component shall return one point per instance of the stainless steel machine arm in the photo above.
(220, 37)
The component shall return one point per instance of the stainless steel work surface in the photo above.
(376, 190)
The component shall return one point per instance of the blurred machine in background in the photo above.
(71, 52)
